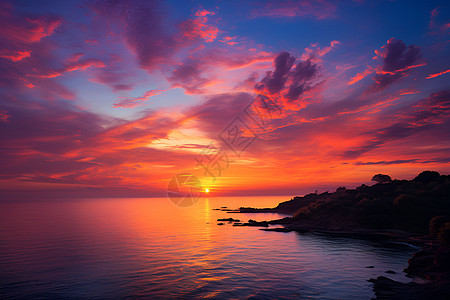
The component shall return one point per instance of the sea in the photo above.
(150, 248)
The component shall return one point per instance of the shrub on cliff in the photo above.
(427, 177)
(436, 223)
(444, 234)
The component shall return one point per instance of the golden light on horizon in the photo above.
(206, 190)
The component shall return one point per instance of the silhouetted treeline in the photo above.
(420, 205)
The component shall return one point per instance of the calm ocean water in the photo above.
(129, 248)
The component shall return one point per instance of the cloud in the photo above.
(133, 102)
(361, 76)
(284, 83)
(321, 9)
(142, 23)
(425, 114)
(274, 81)
(198, 28)
(28, 45)
(22, 31)
(72, 64)
(57, 141)
(204, 12)
(15, 56)
(189, 76)
(214, 114)
(398, 60)
(302, 75)
(196, 74)
(438, 74)
(229, 40)
(18, 34)
(386, 163)
(4, 116)
(314, 53)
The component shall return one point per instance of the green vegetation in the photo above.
(420, 205)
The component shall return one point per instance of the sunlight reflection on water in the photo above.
(151, 248)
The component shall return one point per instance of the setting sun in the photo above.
(207, 190)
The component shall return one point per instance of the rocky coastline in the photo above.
(412, 211)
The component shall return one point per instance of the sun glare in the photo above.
(207, 190)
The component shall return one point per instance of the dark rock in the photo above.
(386, 288)
(370, 267)
(390, 272)
(253, 223)
(277, 229)
(229, 220)
(220, 224)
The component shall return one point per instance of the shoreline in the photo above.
(431, 263)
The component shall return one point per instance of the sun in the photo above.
(206, 190)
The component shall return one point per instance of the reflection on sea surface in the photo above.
(150, 247)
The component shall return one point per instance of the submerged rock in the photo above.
(229, 220)
(253, 223)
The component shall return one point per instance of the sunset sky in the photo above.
(115, 98)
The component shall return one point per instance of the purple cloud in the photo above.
(398, 60)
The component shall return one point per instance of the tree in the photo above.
(381, 178)
(427, 177)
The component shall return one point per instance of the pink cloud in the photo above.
(314, 53)
(229, 40)
(321, 9)
(199, 28)
(4, 116)
(438, 74)
(133, 102)
(15, 56)
(73, 64)
(433, 14)
(142, 26)
(361, 76)
(198, 73)
(204, 12)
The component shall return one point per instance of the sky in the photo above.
(115, 98)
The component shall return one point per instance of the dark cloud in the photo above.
(143, 24)
(402, 161)
(274, 81)
(385, 163)
(301, 76)
(398, 60)
(190, 76)
(286, 83)
(425, 114)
